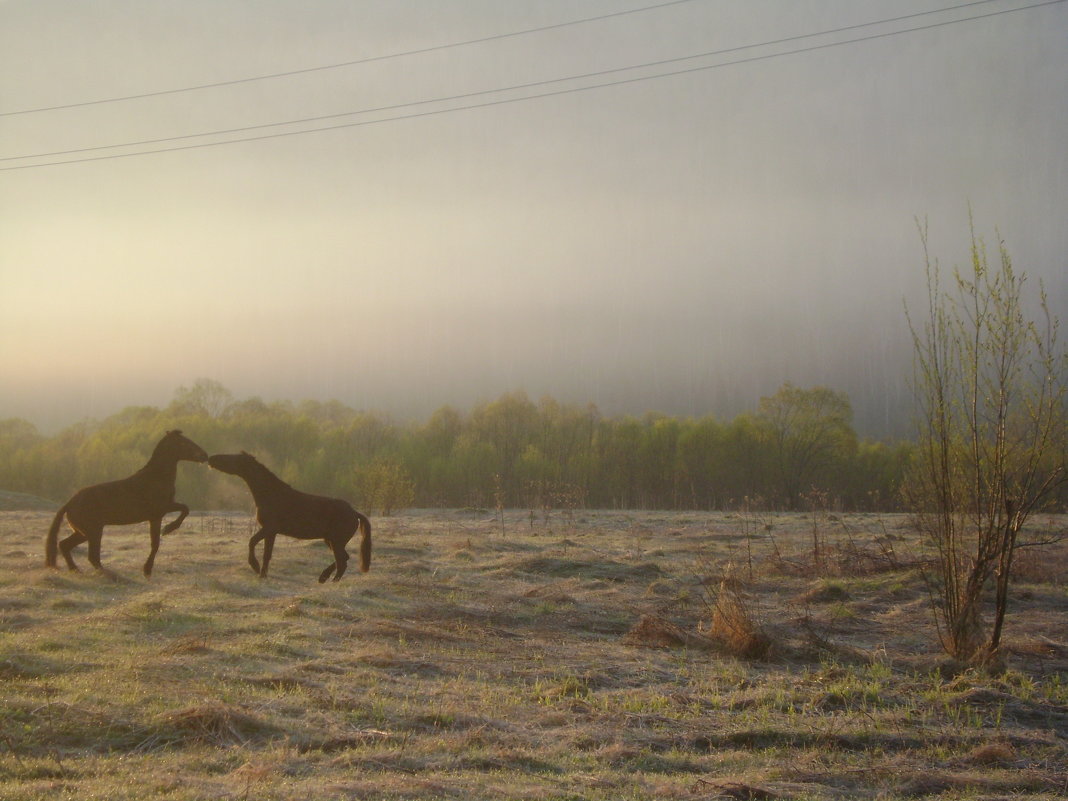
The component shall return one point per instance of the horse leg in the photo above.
(326, 573)
(183, 512)
(154, 533)
(252, 543)
(70, 543)
(94, 535)
(341, 557)
(268, 549)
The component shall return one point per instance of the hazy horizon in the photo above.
(682, 244)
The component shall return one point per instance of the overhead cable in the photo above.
(355, 62)
(504, 101)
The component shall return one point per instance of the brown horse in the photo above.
(146, 495)
(280, 509)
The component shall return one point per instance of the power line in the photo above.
(504, 101)
(482, 93)
(355, 62)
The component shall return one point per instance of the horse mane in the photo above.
(261, 467)
(167, 436)
(255, 461)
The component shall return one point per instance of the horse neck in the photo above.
(262, 483)
(161, 465)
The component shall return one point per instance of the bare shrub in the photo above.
(990, 387)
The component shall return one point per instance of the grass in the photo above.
(612, 658)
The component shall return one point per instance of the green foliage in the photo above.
(206, 396)
(808, 431)
(536, 455)
(383, 486)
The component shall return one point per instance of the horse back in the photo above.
(120, 502)
(306, 516)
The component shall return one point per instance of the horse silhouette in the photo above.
(280, 509)
(146, 495)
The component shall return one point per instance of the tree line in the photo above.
(991, 449)
(797, 448)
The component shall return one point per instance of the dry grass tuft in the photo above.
(189, 644)
(20, 668)
(1040, 566)
(824, 592)
(930, 784)
(733, 624)
(652, 631)
(992, 754)
(213, 724)
(1036, 646)
(741, 791)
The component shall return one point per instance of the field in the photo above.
(611, 655)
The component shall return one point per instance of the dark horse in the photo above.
(280, 509)
(146, 495)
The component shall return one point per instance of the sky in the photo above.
(642, 204)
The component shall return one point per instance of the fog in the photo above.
(684, 243)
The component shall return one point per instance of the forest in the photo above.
(797, 449)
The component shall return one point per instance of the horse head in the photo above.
(179, 447)
(236, 464)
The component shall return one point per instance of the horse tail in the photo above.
(51, 543)
(365, 542)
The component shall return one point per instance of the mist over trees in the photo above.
(797, 449)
